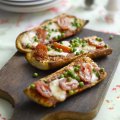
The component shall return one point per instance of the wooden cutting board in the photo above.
(17, 74)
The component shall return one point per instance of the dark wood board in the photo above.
(17, 74)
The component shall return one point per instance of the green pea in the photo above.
(97, 74)
(78, 24)
(78, 66)
(76, 44)
(71, 73)
(83, 45)
(82, 51)
(49, 48)
(60, 50)
(28, 45)
(73, 44)
(50, 23)
(106, 46)
(94, 70)
(35, 38)
(65, 74)
(45, 27)
(76, 69)
(110, 37)
(77, 78)
(73, 49)
(71, 92)
(77, 53)
(61, 76)
(102, 70)
(62, 35)
(81, 84)
(52, 30)
(99, 39)
(69, 79)
(35, 75)
(32, 86)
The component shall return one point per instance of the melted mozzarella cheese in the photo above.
(86, 49)
(53, 53)
(28, 39)
(89, 48)
(57, 92)
(94, 77)
(53, 26)
(66, 43)
(54, 34)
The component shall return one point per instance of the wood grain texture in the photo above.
(17, 74)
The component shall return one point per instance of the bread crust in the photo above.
(33, 94)
(19, 45)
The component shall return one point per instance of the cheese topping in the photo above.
(54, 35)
(57, 92)
(54, 53)
(66, 43)
(53, 26)
(28, 39)
(94, 77)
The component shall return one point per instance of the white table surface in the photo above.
(11, 24)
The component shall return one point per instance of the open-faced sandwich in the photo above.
(56, 54)
(79, 75)
(56, 29)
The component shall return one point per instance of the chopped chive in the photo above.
(35, 75)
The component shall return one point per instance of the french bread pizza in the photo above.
(79, 75)
(55, 29)
(56, 54)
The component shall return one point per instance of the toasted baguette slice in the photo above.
(79, 75)
(56, 55)
(55, 29)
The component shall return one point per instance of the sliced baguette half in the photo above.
(81, 74)
(60, 54)
(55, 29)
